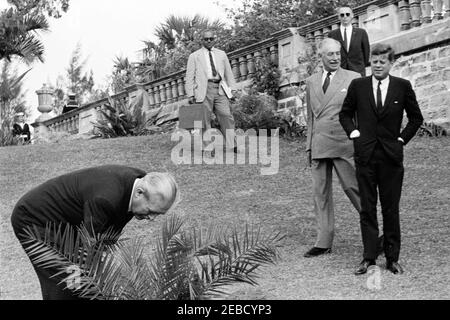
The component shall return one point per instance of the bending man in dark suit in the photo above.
(210, 80)
(355, 46)
(378, 103)
(327, 146)
(100, 198)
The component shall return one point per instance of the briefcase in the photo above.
(190, 113)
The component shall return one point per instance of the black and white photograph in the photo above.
(243, 152)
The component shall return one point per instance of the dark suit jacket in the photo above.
(96, 196)
(357, 58)
(384, 126)
(17, 130)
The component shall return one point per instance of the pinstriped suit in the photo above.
(330, 148)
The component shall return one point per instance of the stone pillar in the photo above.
(174, 88)
(447, 8)
(162, 93)
(151, 96)
(426, 11)
(437, 9)
(405, 16)
(355, 22)
(416, 12)
(243, 68)
(274, 54)
(157, 96)
(168, 92)
(318, 36)
(181, 91)
(250, 64)
(326, 31)
(235, 68)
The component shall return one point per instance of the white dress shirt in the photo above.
(383, 87)
(208, 64)
(132, 193)
(324, 75)
(349, 31)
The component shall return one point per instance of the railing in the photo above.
(70, 121)
(172, 88)
(414, 13)
(411, 14)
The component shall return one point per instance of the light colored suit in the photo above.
(215, 96)
(197, 76)
(330, 148)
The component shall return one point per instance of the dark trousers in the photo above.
(51, 287)
(381, 174)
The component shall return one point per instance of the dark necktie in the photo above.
(345, 39)
(379, 102)
(326, 83)
(213, 67)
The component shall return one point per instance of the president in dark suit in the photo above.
(100, 198)
(378, 103)
(355, 46)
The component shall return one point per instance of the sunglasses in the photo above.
(208, 39)
(345, 14)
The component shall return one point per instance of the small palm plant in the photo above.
(185, 265)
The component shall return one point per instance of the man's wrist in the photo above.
(401, 140)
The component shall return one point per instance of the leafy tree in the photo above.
(50, 8)
(80, 83)
(75, 81)
(12, 100)
(177, 38)
(185, 265)
(18, 35)
(123, 75)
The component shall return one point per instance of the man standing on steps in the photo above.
(327, 146)
(355, 48)
(209, 80)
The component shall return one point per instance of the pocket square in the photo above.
(344, 90)
(395, 101)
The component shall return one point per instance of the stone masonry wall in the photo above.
(429, 73)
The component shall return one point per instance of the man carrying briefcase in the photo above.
(208, 81)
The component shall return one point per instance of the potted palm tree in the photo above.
(186, 265)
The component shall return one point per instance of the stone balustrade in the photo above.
(409, 26)
(373, 15)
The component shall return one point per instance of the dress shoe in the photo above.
(315, 251)
(363, 266)
(394, 267)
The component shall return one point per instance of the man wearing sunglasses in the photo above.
(355, 47)
(209, 80)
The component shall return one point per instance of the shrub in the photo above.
(255, 111)
(186, 265)
(266, 78)
(431, 130)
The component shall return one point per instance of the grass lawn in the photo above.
(231, 195)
